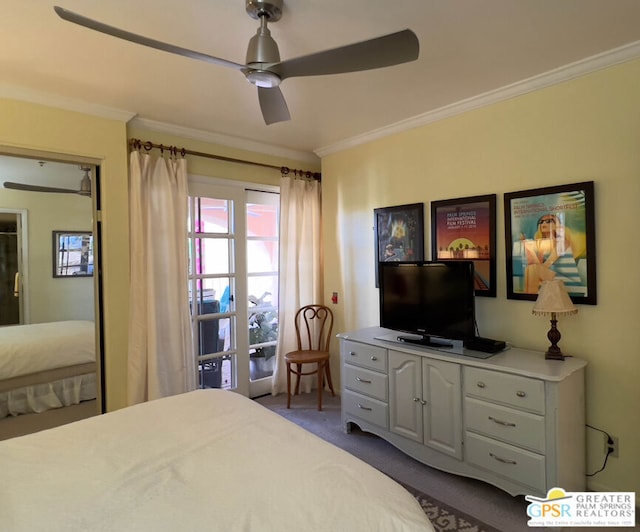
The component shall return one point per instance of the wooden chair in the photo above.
(314, 324)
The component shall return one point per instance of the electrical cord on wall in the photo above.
(609, 451)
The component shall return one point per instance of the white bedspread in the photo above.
(206, 460)
(37, 347)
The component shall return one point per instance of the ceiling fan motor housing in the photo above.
(263, 49)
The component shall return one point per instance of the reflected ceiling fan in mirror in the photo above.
(263, 67)
(84, 190)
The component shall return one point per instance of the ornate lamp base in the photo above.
(554, 352)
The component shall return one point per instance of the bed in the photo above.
(46, 368)
(205, 460)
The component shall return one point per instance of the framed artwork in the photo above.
(550, 234)
(72, 253)
(399, 234)
(465, 229)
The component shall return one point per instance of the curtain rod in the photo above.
(137, 144)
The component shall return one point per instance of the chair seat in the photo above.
(306, 356)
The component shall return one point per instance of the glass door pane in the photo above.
(262, 281)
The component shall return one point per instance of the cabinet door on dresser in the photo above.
(441, 390)
(405, 395)
(424, 401)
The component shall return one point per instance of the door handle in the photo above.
(16, 285)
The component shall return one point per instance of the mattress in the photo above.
(205, 460)
(39, 347)
(44, 366)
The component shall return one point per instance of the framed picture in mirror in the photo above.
(72, 253)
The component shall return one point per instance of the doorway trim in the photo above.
(22, 229)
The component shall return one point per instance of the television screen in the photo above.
(431, 299)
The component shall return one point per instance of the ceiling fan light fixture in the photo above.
(263, 78)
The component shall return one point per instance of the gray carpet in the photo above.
(476, 499)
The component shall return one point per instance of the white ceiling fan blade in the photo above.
(273, 105)
(37, 188)
(70, 16)
(388, 50)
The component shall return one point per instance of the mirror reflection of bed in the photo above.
(48, 370)
(47, 375)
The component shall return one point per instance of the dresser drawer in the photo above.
(367, 356)
(513, 426)
(365, 381)
(513, 390)
(366, 408)
(515, 464)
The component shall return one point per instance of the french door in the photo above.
(233, 286)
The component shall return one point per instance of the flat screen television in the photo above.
(434, 300)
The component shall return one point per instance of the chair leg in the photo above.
(288, 385)
(327, 370)
(299, 368)
(321, 366)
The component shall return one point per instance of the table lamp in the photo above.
(553, 300)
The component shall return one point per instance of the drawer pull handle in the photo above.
(352, 353)
(481, 384)
(363, 380)
(521, 394)
(500, 422)
(374, 358)
(416, 399)
(503, 460)
(364, 407)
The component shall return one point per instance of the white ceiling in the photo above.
(468, 48)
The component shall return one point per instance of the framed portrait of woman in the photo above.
(550, 234)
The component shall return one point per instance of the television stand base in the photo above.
(426, 342)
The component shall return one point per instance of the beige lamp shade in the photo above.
(553, 298)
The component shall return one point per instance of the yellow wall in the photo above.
(586, 129)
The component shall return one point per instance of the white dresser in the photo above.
(514, 420)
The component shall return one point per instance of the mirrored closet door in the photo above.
(49, 339)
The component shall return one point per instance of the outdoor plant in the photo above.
(263, 326)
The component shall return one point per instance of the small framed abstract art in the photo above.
(72, 253)
(399, 234)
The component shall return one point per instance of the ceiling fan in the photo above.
(85, 186)
(263, 67)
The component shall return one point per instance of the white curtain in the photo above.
(161, 361)
(300, 266)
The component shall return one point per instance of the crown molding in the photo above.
(13, 92)
(568, 72)
(225, 140)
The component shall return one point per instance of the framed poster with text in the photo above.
(550, 234)
(465, 229)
